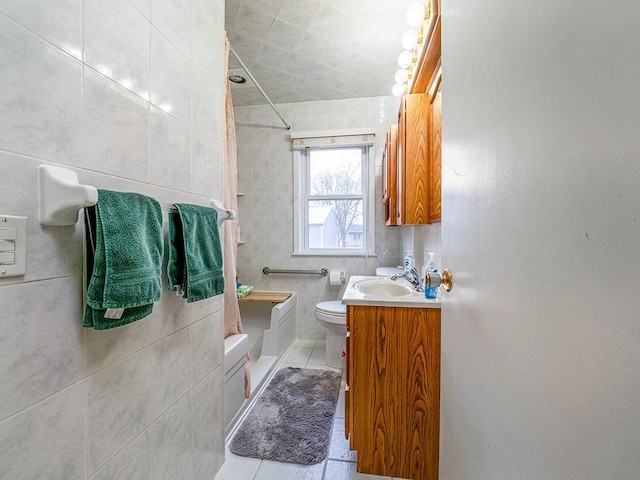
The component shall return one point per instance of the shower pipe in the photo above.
(323, 271)
(253, 79)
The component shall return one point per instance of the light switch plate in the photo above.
(18, 268)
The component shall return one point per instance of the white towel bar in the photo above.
(61, 196)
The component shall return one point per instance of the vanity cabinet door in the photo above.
(374, 393)
(394, 379)
(418, 385)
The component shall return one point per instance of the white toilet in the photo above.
(333, 316)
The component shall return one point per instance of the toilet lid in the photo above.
(334, 307)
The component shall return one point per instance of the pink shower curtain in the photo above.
(232, 321)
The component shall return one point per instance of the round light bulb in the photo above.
(404, 59)
(397, 90)
(409, 39)
(401, 76)
(415, 14)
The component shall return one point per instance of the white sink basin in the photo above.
(381, 287)
(384, 292)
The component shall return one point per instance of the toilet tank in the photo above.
(387, 271)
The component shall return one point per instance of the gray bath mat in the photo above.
(291, 420)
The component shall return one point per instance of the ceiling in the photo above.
(306, 50)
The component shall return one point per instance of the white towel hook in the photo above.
(60, 196)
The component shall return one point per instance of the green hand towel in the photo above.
(124, 258)
(195, 254)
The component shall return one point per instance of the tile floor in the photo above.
(340, 462)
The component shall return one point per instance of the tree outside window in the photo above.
(335, 175)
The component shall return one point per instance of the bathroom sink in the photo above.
(382, 291)
(381, 287)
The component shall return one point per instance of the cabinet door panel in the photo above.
(419, 422)
(413, 160)
(435, 159)
(374, 390)
(394, 397)
(390, 174)
(401, 161)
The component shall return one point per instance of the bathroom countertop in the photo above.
(353, 296)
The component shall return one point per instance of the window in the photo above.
(333, 195)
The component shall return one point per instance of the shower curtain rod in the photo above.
(253, 79)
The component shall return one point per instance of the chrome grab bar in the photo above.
(323, 271)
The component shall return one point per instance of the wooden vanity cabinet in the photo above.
(389, 176)
(392, 402)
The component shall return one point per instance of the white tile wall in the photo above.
(46, 440)
(58, 22)
(204, 334)
(143, 6)
(116, 43)
(169, 151)
(266, 212)
(132, 462)
(422, 239)
(119, 406)
(173, 19)
(205, 417)
(116, 125)
(41, 317)
(170, 78)
(172, 439)
(75, 91)
(208, 20)
(42, 90)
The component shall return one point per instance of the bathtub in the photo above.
(269, 324)
(236, 348)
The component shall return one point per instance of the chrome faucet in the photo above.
(412, 277)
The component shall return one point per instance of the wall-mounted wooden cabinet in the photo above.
(418, 178)
(389, 176)
(392, 402)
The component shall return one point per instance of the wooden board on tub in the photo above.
(273, 297)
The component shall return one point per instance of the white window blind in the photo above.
(302, 140)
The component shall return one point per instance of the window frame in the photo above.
(302, 187)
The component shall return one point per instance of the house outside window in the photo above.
(334, 190)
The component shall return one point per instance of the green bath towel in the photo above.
(124, 258)
(195, 254)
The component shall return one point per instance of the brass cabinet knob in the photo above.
(434, 280)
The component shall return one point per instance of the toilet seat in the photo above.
(332, 312)
(333, 307)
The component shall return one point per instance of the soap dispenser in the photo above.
(431, 267)
(408, 262)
